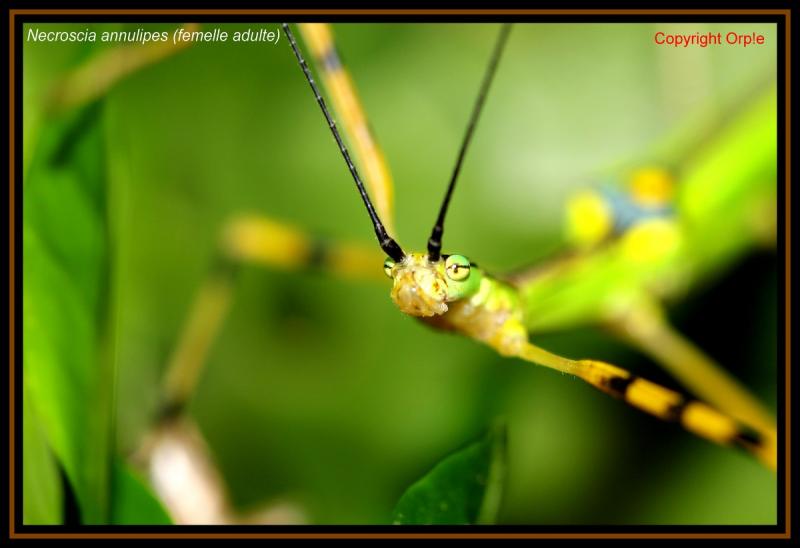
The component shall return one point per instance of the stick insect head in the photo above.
(425, 282)
(423, 288)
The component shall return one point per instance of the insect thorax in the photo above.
(492, 315)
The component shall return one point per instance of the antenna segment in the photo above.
(389, 246)
(435, 241)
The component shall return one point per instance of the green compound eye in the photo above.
(388, 265)
(457, 268)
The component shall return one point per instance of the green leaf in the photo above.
(42, 498)
(65, 303)
(464, 488)
(132, 502)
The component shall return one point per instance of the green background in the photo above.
(318, 391)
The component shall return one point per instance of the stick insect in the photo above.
(450, 292)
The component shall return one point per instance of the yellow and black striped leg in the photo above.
(274, 244)
(668, 405)
(647, 328)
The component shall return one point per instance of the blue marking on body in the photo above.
(627, 212)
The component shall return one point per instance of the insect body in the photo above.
(491, 311)
(451, 293)
(454, 294)
(597, 214)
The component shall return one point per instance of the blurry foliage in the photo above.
(65, 303)
(132, 501)
(68, 364)
(42, 498)
(318, 391)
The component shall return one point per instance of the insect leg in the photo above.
(268, 243)
(95, 77)
(646, 328)
(695, 416)
(318, 37)
(174, 451)
(274, 244)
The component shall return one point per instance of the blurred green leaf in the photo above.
(132, 502)
(65, 286)
(464, 488)
(42, 497)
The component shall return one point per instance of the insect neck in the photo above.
(493, 314)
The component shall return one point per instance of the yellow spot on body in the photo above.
(652, 186)
(651, 240)
(589, 219)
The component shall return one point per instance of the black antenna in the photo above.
(389, 246)
(435, 241)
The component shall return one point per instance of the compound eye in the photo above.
(388, 265)
(457, 267)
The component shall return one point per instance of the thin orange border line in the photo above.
(399, 12)
(787, 206)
